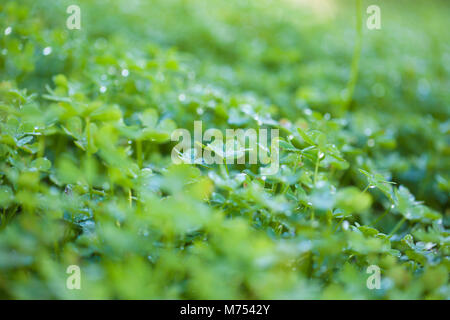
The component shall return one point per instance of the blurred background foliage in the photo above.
(86, 176)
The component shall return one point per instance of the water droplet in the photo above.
(308, 112)
(372, 187)
(125, 73)
(345, 225)
(47, 51)
(102, 89)
(263, 178)
(8, 31)
(291, 137)
(392, 206)
(182, 97)
(321, 155)
(200, 111)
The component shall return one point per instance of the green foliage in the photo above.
(86, 176)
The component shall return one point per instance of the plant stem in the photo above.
(139, 152)
(366, 188)
(381, 217)
(88, 136)
(130, 198)
(397, 226)
(356, 57)
(286, 188)
(41, 151)
(316, 170)
(226, 169)
(88, 148)
(339, 224)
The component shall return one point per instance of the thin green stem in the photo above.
(88, 147)
(316, 170)
(130, 198)
(226, 168)
(41, 151)
(339, 224)
(88, 136)
(381, 217)
(139, 152)
(356, 57)
(397, 226)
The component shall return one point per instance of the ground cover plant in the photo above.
(86, 176)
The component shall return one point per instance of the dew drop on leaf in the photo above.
(47, 51)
